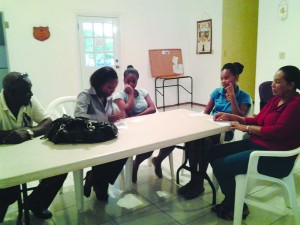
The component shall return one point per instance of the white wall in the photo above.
(53, 65)
(276, 36)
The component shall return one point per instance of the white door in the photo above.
(99, 45)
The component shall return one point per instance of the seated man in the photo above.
(18, 110)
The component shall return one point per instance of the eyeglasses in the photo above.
(24, 75)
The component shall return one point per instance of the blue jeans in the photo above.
(229, 160)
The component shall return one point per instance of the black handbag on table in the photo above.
(80, 130)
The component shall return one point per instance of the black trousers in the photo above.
(40, 198)
(107, 173)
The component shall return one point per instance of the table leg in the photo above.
(78, 183)
(128, 173)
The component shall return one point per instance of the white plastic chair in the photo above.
(62, 105)
(287, 183)
(56, 108)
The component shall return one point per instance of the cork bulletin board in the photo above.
(165, 62)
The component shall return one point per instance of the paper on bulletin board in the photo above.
(177, 68)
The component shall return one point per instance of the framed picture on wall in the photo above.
(204, 37)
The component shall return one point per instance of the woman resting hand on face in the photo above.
(228, 98)
(135, 101)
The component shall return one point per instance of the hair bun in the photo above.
(239, 67)
(130, 67)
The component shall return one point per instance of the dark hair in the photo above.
(13, 79)
(132, 70)
(235, 68)
(291, 74)
(102, 75)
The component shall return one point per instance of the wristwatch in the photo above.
(30, 133)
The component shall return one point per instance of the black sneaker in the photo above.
(184, 189)
(194, 192)
(41, 213)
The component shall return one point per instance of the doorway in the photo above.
(99, 45)
(3, 55)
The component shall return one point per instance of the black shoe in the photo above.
(88, 184)
(194, 191)
(41, 213)
(157, 167)
(102, 196)
(101, 190)
(223, 212)
(184, 189)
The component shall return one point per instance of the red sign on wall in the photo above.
(41, 33)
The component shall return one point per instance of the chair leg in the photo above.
(183, 160)
(123, 180)
(150, 161)
(183, 166)
(215, 181)
(78, 184)
(206, 177)
(171, 165)
(240, 192)
(290, 196)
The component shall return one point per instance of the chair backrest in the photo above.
(62, 105)
(265, 93)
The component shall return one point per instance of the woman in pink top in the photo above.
(276, 127)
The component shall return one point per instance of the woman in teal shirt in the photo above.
(229, 98)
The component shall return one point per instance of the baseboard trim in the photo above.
(184, 103)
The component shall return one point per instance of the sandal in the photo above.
(223, 212)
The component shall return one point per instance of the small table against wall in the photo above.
(161, 89)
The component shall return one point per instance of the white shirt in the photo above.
(8, 121)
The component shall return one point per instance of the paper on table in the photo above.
(221, 123)
(121, 125)
(138, 119)
(196, 114)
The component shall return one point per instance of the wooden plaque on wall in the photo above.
(165, 62)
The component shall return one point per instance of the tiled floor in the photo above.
(154, 201)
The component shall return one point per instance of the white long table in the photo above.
(37, 159)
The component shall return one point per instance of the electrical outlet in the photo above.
(281, 55)
(6, 24)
